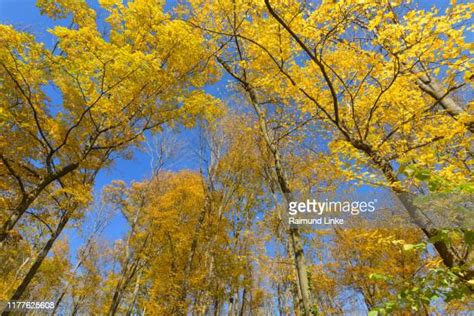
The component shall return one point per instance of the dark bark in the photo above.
(20, 290)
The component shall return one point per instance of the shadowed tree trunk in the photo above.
(20, 290)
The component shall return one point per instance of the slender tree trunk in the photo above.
(192, 251)
(39, 260)
(295, 288)
(78, 265)
(135, 295)
(217, 307)
(59, 300)
(243, 306)
(131, 265)
(127, 276)
(301, 269)
(231, 306)
(130, 270)
(75, 309)
(294, 233)
(63, 293)
(283, 183)
(280, 300)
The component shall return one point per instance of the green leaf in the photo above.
(422, 175)
(408, 247)
(469, 237)
(434, 184)
(377, 277)
(409, 171)
(468, 187)
(443, 235)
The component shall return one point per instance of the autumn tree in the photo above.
(113, 88)
(361, 68)
(366, 105)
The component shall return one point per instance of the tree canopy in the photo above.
(316, 100)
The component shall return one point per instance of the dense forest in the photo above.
(243, 112)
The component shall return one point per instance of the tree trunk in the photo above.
(231, 309)
(435, 90)
(39, 260)
(295, 288)
(128, 274)
(295, 237)
(418, 216)
(243, 306)
(135, 295)
(283, 183)
(192, 251)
